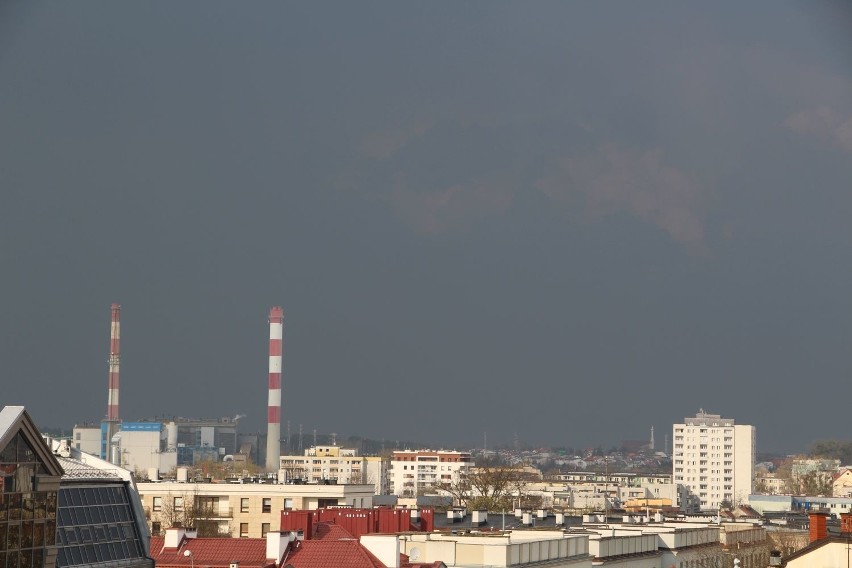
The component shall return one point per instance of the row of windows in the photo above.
(27, 534)
(27, 506)
(22, 559)
(212, 504)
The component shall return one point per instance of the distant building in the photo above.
(412, 471)
(87, 438)
(841, 486)
(335, 464)
(714, 458)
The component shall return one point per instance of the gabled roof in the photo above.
(212, 552)
(842, 539)
(14, 419)
(331, 531)
(75, 469)
(330, 553)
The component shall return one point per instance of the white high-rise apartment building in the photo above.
(714, 458)
(412, 471)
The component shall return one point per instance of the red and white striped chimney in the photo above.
(114, 359)
(273, 421)
(112, 421)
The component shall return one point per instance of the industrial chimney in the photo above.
(273, 422)
(112, 422)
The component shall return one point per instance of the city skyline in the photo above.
(567, 222)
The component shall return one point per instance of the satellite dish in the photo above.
(414, 554)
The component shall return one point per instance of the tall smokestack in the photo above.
(273, 422)
(112, 420)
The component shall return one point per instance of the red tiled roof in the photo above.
(328, 553)
(330, 531)
(211, 552)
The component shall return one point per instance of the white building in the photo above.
(714, 458)
(412, 471)
(334, 464)
(87, 438)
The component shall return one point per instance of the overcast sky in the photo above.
(566, 220)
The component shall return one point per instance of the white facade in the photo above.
(411, 471)
(335, 464)
(714, 458)
(87, 439)
(550, 549)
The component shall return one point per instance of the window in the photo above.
(155, 528)
(264, 528)
(288, 503)
(244, 505)
(267, 505)
(158, 504)
(178, 504)
(243, 530)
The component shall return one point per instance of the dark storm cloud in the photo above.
(567, 220)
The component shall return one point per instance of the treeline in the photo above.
(832, 449)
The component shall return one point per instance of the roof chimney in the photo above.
(846, 523)
(174, 536)
(276, 544)
(818, 529)
(385, 547)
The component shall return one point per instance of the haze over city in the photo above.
(566, 222)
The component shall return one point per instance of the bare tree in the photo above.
(192, 511)
(491, 488)
(787, 541)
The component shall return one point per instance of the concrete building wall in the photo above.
(745, 445)
(87, 439)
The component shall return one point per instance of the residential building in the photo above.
(336, 464)
(714, 458)
(841, 486)
(824, 549)
(241, 509)
(412, 471)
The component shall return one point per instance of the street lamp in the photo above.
(188, 554)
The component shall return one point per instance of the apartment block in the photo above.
(714, 458)
(334, 464)
(412, 471)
